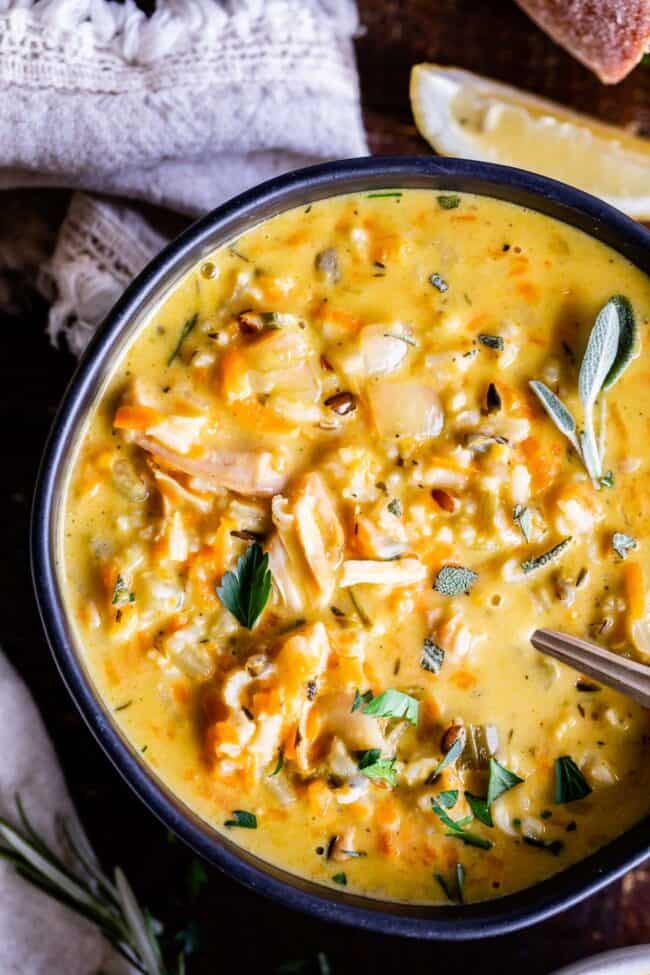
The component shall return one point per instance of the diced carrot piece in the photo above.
(289, 744)
(464, 679)
(634, 589)
(528, 291)
(233, 372)
(543, 462)
(135, 418)
(313, 724)
(343, 318)
(258, 418)
(319, 796)
(387, 814)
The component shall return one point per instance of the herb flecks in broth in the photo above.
(318, 512)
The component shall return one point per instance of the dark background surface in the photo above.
(236, 928)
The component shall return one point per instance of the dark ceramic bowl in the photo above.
(226, 223)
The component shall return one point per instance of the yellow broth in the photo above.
(324, 388)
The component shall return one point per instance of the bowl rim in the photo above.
(484, 919)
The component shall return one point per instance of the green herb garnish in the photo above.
(123, 707)
(340, 878)
(480, 808)
(558, 413)
(246, 820)
(454, 752)
(501, 780)
(570, 783)
(598, 360)
(607, 480)
(358, 608)
(457, 896)
(551, 846)
(439, 283)
(456, 828)
(395, 507)
(448, 799)
(454, 580)
(360, 700)
(377, 196)
(121, 594)
(185, 331)
(394, 704)
(491, 341)
(611, 346)
(627, 339)
(279, 764)
(448, 201)
(245, 592)
(622, 543)
(492, 399)
(432, 657)
(377, 768)
(530, 565)
(524, 519)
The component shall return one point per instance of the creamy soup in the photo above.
(318, 511)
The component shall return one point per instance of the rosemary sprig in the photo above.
(111, 906)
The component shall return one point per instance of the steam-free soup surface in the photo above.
(345, 391)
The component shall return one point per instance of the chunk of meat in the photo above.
(403, 572)
(271, 711)
(307, 551)
(258, 473)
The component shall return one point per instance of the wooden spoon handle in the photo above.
(627, 676)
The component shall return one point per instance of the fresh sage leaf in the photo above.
(454, 580)
(524, 519)
(439, 283)
(557, 411)
(491, 341)
(597, 361)
(600, 354)
(245, 592)
(530, 565)
(432, 657)
(622, 543)
(627, 339)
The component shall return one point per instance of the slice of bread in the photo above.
(609, 36)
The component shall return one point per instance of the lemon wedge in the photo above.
(463, 114)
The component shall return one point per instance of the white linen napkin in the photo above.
(182, 109)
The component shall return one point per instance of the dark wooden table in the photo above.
(238, 930)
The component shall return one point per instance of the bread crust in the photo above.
(608, 36)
